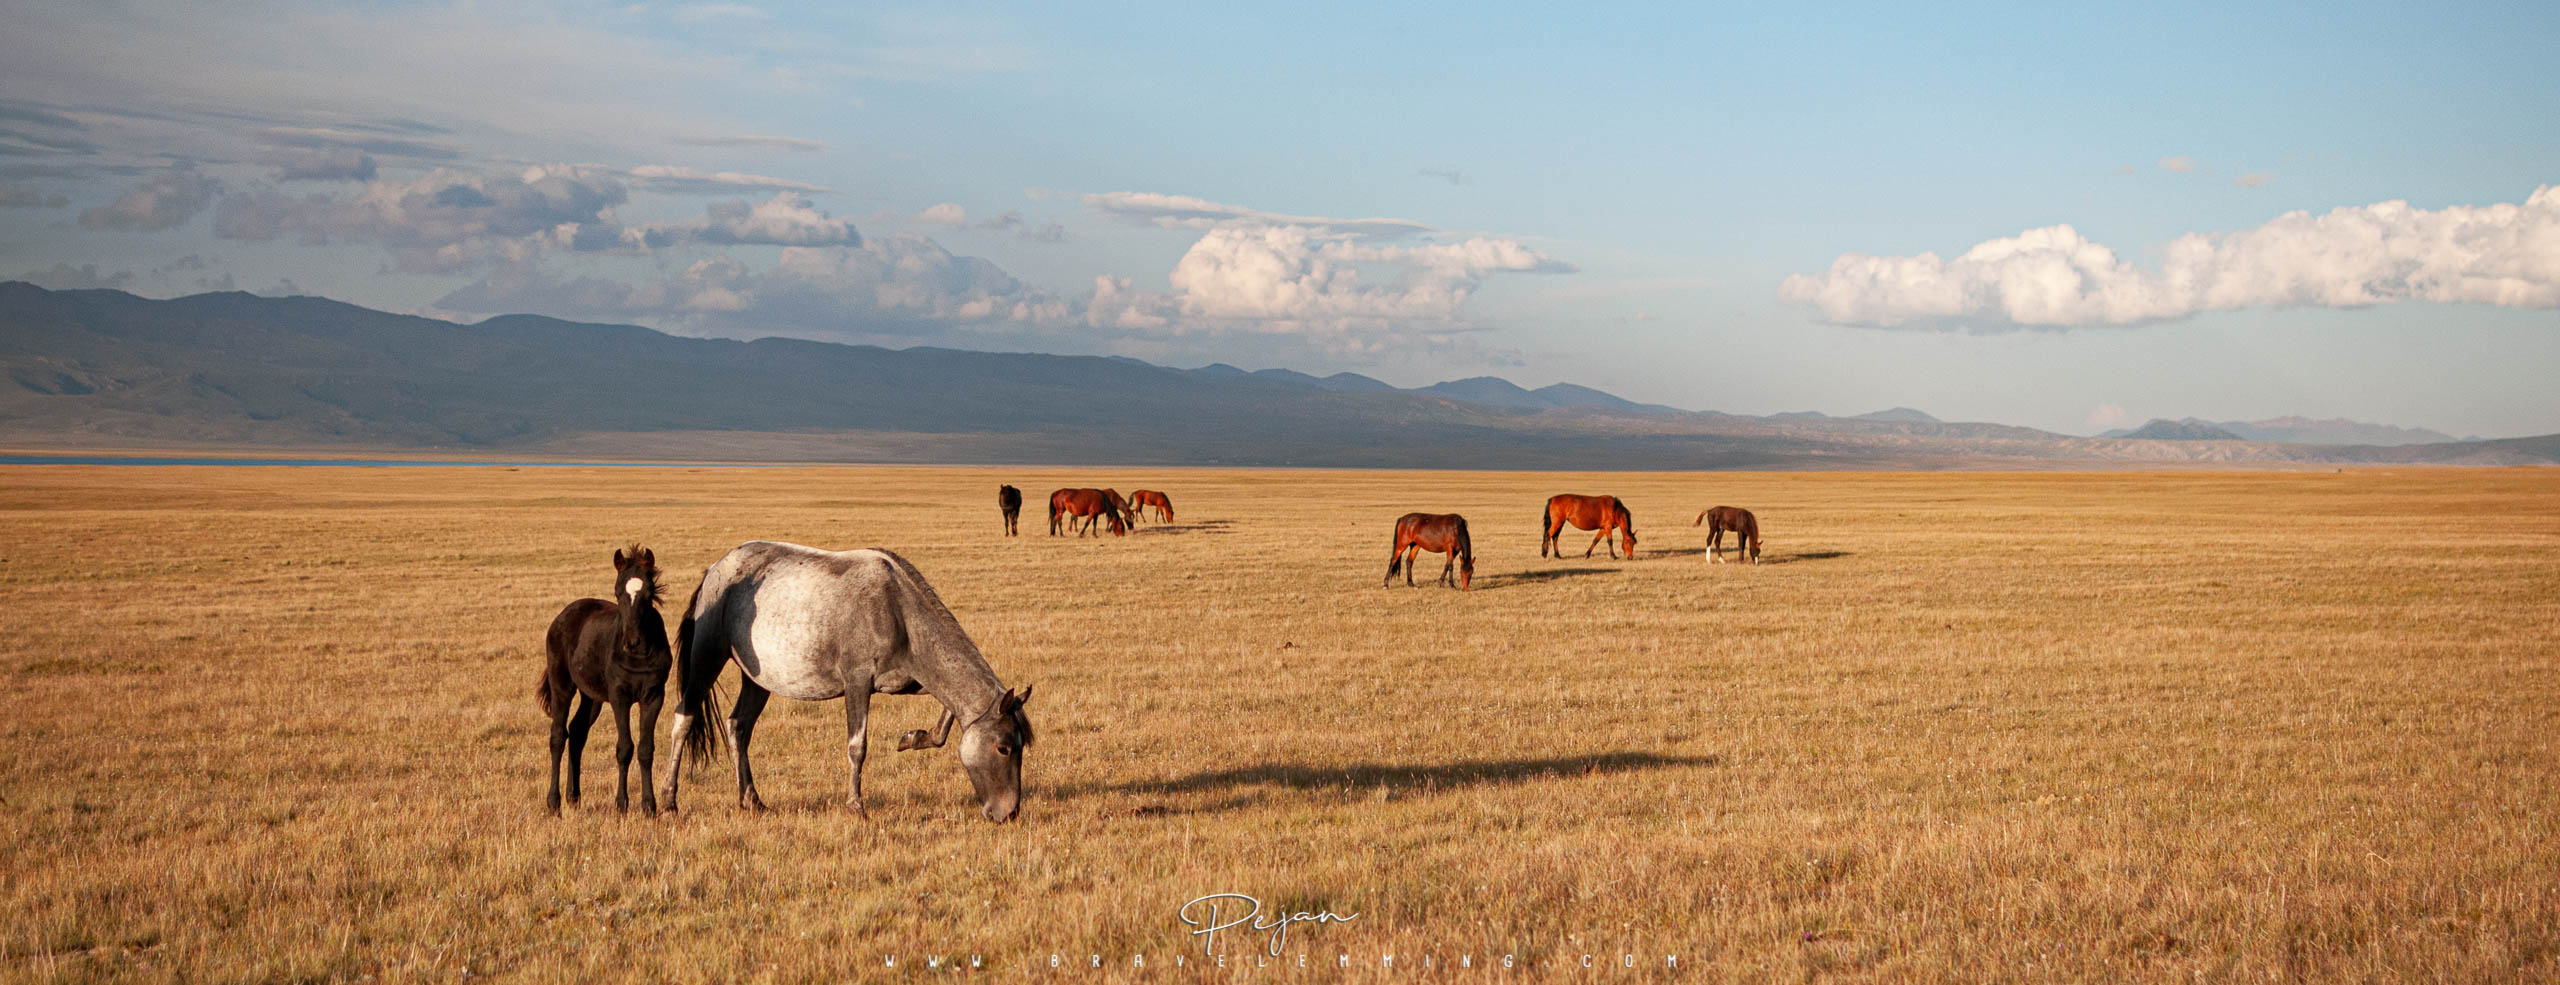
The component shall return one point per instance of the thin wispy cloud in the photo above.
(691, 181)
(1187, 212)
(368, 142)
(166, 200)
(757, 142)
(698, 13)
(2388, 252)
(2178, 164)
(25, 197)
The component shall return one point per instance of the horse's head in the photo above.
(635, 576)
(991, 750)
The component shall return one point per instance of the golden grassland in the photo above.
(277, 724)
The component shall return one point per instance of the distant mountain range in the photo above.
(2298, 430)
(108, 369)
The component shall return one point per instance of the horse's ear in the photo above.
(617, 557)
(648, 557)
(1016, 699)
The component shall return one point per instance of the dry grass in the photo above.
(277, 724)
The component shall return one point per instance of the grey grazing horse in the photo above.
(816, 625)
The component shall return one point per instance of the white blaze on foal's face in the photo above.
(631, 589)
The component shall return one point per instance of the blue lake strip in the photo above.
(358, 463)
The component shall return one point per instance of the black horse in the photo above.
(604, 653)
(1009, 499)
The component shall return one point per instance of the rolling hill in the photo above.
(98, 368)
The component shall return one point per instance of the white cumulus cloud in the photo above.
(2503, 254)
(786, 219)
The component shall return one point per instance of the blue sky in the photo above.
(1744, 209)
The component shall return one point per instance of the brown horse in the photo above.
(1602, 513)
(1120, 504)
(1085, 504)
(1148, 497)
(1439, 533)
(608, 653)
(1009, 499)
(1745, 527)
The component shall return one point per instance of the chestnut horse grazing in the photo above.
(1602, 513)
(1745, 527)
(1009, 499)
(1144, 498)
(1439, 533)
(818, 625)
(1088, 505)
(602, 653)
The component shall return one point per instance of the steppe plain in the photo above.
(277, 724)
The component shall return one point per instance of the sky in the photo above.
(2028, 214)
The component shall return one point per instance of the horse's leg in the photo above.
(1449, 568)
(742, 729)
(579, 722)
(559, 744)
(622, 749)
(1412, 556)
(857, 738)
(649, 753)
(1595, 542)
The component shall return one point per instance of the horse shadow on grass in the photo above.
(1674, 551)
(1535, 575)
(1202, 527)
(1803, 556)
(1402, 778)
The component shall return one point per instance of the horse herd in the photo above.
(815, 625)
(1066, 506)
(1446, 533)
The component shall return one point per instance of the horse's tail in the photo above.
(1702, 518)
(697, 670)
(552, 701)
(1466, 555)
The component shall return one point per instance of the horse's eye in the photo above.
(1004, 750)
